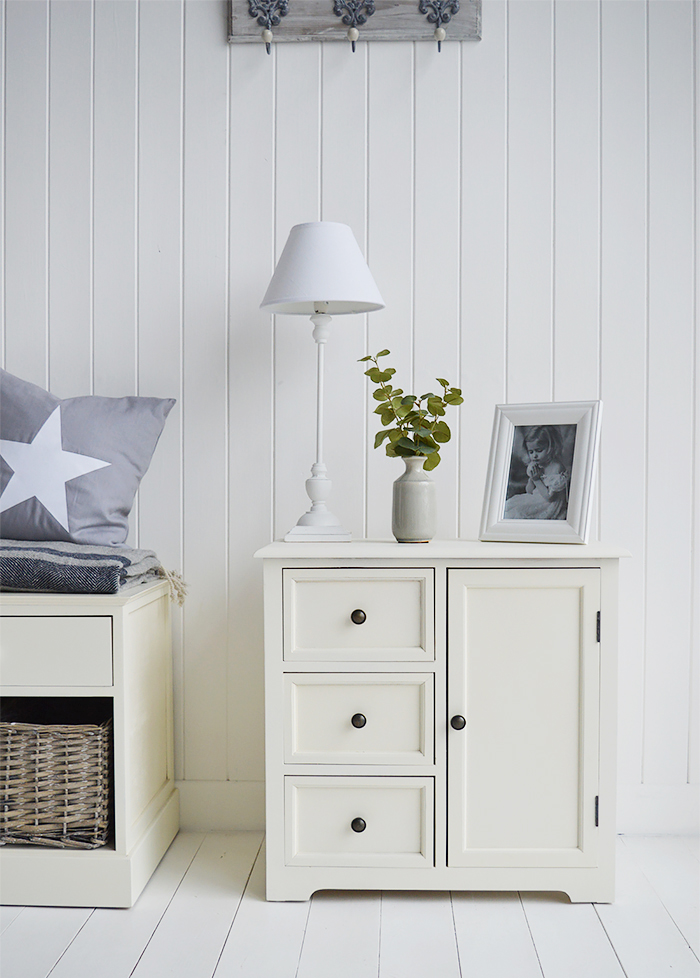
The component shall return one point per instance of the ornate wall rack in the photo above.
(351, 20)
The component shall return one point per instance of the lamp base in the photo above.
(319, 523)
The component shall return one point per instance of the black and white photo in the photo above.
(540, 472)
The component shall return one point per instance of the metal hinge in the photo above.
(596, 810)
(597, 628)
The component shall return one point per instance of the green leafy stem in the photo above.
(410, 425)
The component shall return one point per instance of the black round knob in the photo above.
(358, 825)
(358, 616)
(458, 723)
(359, 720)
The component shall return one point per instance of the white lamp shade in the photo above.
(322, 263)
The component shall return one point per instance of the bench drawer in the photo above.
(55, 650)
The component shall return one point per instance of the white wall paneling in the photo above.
(484, 267)
(114, 213)
(390, 184)
(70, 127)
(530, 189)
(252, 205)
(25, 100)
(527, 204)
(205, 392)
(669, 386)
(623, 347)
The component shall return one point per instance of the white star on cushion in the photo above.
(42, 468)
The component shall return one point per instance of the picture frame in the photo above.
(541, 472)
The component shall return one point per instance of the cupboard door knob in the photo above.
(358, 616)
(359, 720)
(458, 723)
(358, 825)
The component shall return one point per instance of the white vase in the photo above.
(414, 511)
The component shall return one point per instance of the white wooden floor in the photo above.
(203, 914)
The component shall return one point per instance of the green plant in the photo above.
(410, 425)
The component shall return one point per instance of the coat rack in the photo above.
(352, 20)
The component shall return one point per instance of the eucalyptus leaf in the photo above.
(405, 442)
(411, 425)
(380, 437)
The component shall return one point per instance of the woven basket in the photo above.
(54, 784)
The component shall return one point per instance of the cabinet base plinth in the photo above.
(592, 885)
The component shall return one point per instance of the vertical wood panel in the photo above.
(694, 725)
(669, 470)
(344, 199)
(158, 524)
(623, 353)
(159, 264)
(3, 131)
(437, 249)
(530, 27)
(483, 256)
(205, 367)
(70, 198)
(252, 102)
(576, 202)
(389, 249)
(26, 135)
(297, 190)
(114, 279)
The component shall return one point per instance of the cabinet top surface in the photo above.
(437, 550)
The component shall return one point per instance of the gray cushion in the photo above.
(69, 469)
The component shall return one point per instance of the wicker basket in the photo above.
(54, 784)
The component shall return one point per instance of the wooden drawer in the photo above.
(397, 813)
(351, 718)
(396, 621)
(55, 650)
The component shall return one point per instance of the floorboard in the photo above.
(417, 936)
(266, 939)
(126, 933)
(7, 916)
(645, 938)
(493, 936)
(190, 937)
(204, 915)
(37, 938)
(570, 940)
(673, 873)
(342, 936)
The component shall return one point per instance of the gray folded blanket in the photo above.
(71, 568)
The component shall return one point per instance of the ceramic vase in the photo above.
(414, 511)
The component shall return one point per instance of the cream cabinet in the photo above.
(440, 716)
(108, 655)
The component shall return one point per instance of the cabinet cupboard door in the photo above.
(524, 672)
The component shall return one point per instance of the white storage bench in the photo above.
(81, 654)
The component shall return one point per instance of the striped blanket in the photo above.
(71, 568)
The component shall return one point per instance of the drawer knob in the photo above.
(458, 723)
(359, 720)
(358, 825)
(358, 616)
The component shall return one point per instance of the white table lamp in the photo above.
(321, 273)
